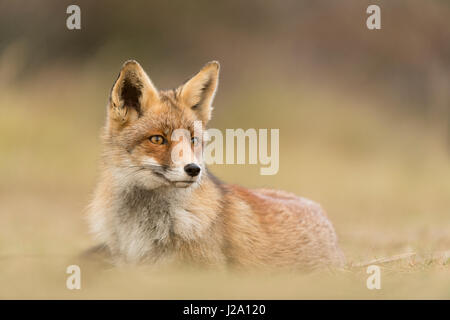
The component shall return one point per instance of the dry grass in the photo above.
(383, 177)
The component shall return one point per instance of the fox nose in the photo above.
(192, 169)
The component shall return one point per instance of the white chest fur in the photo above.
(148, 224)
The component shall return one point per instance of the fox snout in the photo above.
(184, 175)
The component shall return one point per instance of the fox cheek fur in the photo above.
(149, 209)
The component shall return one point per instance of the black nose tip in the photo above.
(192, 169)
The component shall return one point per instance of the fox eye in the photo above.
(157, 139)
(194, 141)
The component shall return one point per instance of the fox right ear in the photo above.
(132, 93)
(198, 92)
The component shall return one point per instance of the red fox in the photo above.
(147, 209)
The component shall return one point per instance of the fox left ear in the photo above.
(132, 93)
(198, 92)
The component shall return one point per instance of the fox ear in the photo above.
(132, 92)
(198, 92)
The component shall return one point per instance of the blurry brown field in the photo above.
(377, 159)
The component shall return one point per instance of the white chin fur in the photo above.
(182, 184)
(175, 177)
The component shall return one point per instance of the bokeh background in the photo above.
(363, 118)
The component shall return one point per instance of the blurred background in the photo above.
(363, 116)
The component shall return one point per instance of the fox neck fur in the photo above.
(140, 224)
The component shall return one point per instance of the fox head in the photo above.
(154, 138)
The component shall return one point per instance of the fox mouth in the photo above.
(176, 183)
(156, 170)
(182, 184)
